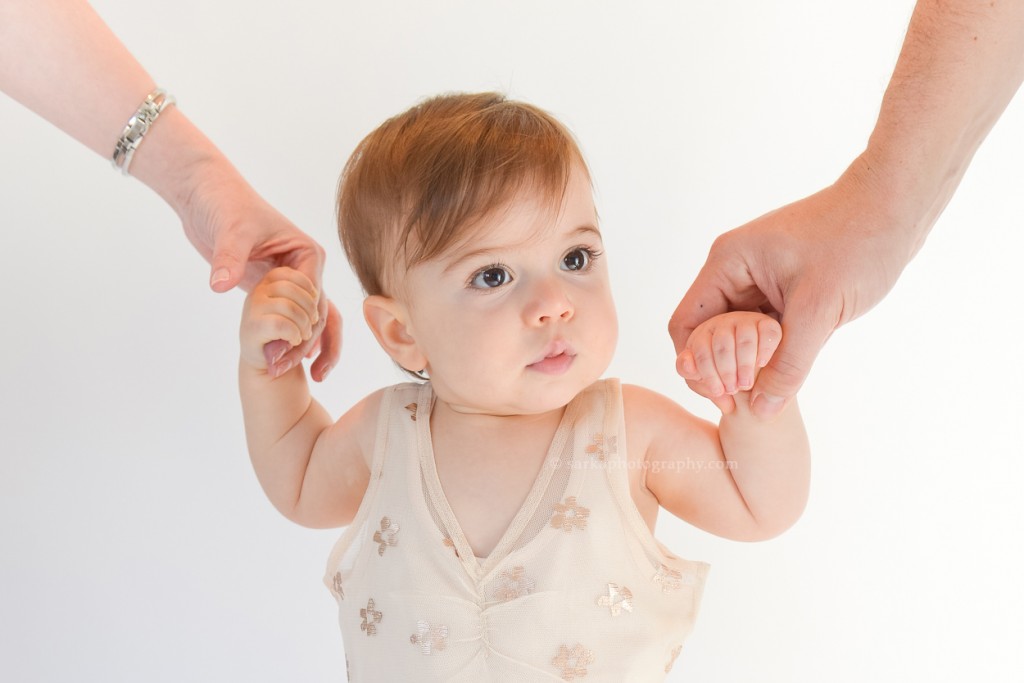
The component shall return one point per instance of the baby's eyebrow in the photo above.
(585, 229)
(460, 257)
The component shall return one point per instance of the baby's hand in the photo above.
(724, 354)
(283, 305)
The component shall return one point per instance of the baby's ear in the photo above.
(388, 319)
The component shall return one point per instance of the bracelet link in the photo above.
(137, 127)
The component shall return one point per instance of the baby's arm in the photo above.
(313, 470)
(748, 478)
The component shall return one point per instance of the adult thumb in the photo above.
(227, 267)
(805, 329)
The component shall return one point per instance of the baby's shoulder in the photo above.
(379, 409)
(650, 416)
(359, 424)
(637, 406)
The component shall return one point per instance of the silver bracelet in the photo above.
(137, 127)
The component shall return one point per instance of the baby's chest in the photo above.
(486, 497)
(485, 500)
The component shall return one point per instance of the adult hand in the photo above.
(243, 238)
(815, 264)
(56, 51)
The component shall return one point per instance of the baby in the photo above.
(501, 511)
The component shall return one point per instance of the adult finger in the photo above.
(807, 323)
(230, 256)
(330, 345)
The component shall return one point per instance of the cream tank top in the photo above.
(577, 588)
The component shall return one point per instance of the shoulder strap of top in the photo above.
(617, 466)
(393, 410)
(396, 420)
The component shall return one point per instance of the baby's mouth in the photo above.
(556, 359)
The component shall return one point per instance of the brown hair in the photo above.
(423, 180)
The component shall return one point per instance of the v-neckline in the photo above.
(481, 566)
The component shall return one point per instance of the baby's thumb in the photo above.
(273, 351)
(227, 267)
(805, 329)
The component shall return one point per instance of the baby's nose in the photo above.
(548, 302)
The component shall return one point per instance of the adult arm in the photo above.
(829, 258)
(59, 59)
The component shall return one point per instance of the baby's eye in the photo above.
(578, 259)
(491, 278)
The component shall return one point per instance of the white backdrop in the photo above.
(135, 543)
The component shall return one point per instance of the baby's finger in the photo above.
(296, 277)
(297, 353)
(278, 327)
(723, 343)
(299, 299)
(746, 355)
(724, 402)
(276, 311)
(686, 366)
(769, 336)
(273, 351)
(704, 357)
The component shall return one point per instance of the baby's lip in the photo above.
(556, 348)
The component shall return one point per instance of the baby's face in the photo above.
(521, 319)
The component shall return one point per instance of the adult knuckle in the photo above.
(788, 365)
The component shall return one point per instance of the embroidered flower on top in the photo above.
(371, 617)
(412, 409)
(512, 583)
(430, 638)
(569, 515)
(618, 599)
(670, 579)
(601, 447)
(672, 658)
(336, 587)
(573, 661)
(388, 534)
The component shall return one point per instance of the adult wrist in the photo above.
(899, 202)
(138, 127)
(177, 160)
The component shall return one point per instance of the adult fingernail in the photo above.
(220, 275)
(283, 368)
(326, 371)
(767, 406)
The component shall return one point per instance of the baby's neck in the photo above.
(470, 426)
